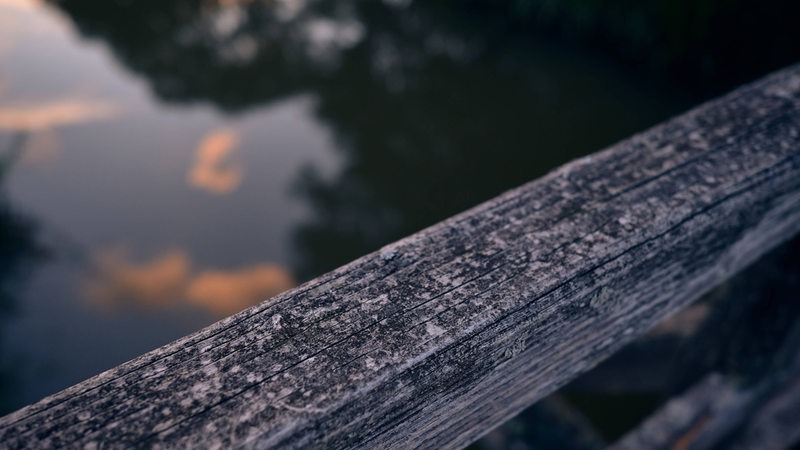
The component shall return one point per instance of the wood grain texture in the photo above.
(439, 337)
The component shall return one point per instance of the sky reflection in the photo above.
(151, 229)
(170, 280)
(27, 117)
(36, 124)
(227, 292)
(213, 170)
(41, 149)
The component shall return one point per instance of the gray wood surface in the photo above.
(437, 338)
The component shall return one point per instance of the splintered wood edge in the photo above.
(438, 338)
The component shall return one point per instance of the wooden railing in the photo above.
(436, 339)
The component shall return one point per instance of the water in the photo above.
(168, 163)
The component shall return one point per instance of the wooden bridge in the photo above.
(438, 338)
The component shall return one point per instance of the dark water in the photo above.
(168, 163)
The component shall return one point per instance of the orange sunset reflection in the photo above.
(212, 170)
(119, 281)
(227, 292)
(169, 281)
(21, 4)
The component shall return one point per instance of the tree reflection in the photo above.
(437, 105)
(435, 112)
(237, 53)
(436, 108)
(170, 280)
(234, 53)
(19, 252)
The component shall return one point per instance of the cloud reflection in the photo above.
(31, 117)
(38, 122)
(168, 281)
(19, 4)
(212, 170)
(153, 284)
(227, 292)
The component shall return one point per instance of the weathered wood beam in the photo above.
(437, 338)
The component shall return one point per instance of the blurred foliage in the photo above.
(711, 45)
(434, 106)
(19, 245)
(438, 105)
(20, 250)
(189, 51)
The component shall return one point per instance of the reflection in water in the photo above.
(42, 148)
(21, 4)
(140, 178)
(37, 122)
(49, 115)
(19, 246)
(20, 250)
(212, 170)
(228, 292)
(435, 108)
(168, 281)
(325, 39)
(238, 54)
(119, 281)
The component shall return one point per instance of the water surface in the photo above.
(166, 164)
